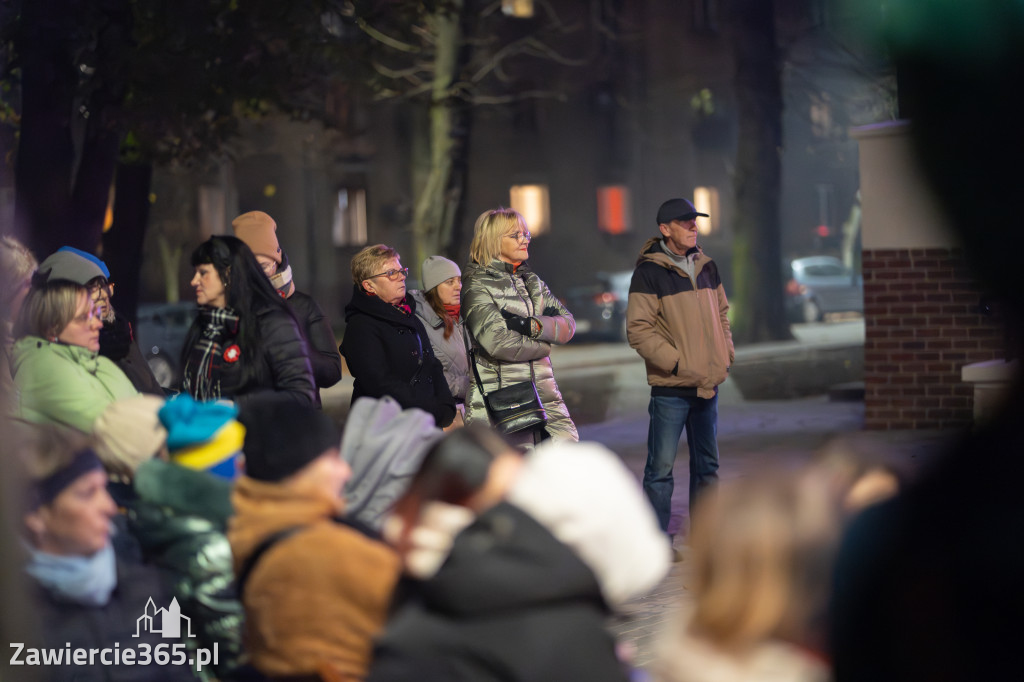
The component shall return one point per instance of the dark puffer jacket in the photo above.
(503, 356)
(117, 342)
(283, 369)
(389, 353)
(323, 348)
(510, 604)
(179, 517)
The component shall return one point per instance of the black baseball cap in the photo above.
(678, 209)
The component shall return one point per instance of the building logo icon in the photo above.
(166, 622)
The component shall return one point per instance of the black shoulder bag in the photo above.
(512, 408)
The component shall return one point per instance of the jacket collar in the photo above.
(88, 359)
(652, 252)
(371, 305)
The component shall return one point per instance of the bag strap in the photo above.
(472, 361)
(250, 562)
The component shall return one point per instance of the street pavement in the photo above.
(605, 387)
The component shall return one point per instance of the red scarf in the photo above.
(453, 310)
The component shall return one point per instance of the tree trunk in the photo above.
(439, 199)
(122, 244)
(46, 155)
(758, 313)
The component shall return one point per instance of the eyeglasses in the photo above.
(99, 286)
(521, 237)
(393, 275)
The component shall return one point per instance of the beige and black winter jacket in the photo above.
(503, 356)
(679, 325)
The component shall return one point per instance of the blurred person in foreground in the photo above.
(117, 339)
(762, 550)
(245, 345)
(385, 345)
(89, 595)
(183, 456)
(259, 231)
(56, 363)
(929, 584)
(677, 319)
(513, 320)
(438, 305)
(16, 267)
(516, 563)
(314, 586)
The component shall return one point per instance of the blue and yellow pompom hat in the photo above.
(204, 436)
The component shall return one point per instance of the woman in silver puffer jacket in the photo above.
(513, 318)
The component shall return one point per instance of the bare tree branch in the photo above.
(385, 39)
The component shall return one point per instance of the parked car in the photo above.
(820, 285)
(160, 330)
(600, 307)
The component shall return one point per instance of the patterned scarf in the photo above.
(218, 325)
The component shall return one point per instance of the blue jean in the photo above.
(669, 414)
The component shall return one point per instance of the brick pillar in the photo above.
(922, 324)
(921, 317)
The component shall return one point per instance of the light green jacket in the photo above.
(64, 385)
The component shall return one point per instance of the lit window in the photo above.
(520, 9)
(532, 202)
(613, 210)
(349, 222)
(705, 199)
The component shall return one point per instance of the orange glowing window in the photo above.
(613, 210)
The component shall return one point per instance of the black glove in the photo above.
(516, 323)
(552, 311)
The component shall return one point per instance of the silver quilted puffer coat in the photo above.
(486, 291)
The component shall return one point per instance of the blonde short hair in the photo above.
(49, 308)
(369, 260)
(762, 555)
(16, 265)
(488, 231)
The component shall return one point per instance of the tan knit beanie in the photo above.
(259, 231)
(129, 432)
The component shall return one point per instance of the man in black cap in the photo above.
(677, 320)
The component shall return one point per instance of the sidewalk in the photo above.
(752, 435)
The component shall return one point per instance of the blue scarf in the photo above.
(88, 581)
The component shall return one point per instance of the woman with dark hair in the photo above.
(245, 343)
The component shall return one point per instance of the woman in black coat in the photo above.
(245, 345)
(385, 345)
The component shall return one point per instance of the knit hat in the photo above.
(73, 265)
(437, 269)
(128, 432)
(259, 232)
(584, 495)
(203, 436)
(283, 436)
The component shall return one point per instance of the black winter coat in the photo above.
(323, 349)
(117, 342)
(510, 604)
(283, 369)
(389, 353)
(86, 627)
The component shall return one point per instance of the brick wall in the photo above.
(921, 326)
